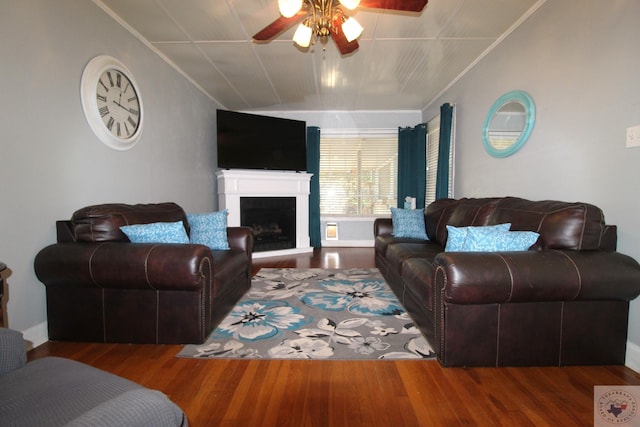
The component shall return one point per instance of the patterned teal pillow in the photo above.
(408, 223)
(209, 229)
(156, 232)
(500, 241)
(457, 237)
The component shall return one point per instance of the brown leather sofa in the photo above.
(565, 301)
(102, 288)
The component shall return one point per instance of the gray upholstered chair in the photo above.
(53, 391)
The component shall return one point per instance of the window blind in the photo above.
(433, 140)
(358, 175)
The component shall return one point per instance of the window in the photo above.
(358, 174)
(433, 140)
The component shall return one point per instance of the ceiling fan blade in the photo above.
(278, 26)
(408, 5)
(343, 44)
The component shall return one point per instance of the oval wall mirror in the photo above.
(508, 123)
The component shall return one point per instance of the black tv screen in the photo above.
(250, 141)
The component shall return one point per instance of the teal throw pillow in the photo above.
(209, 229)
(500, 241)
(408, 223)
(457, 237)
(156, 232)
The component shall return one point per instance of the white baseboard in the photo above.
(632, 358)
(347, 243)
(36, 335)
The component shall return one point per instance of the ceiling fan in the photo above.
(321, 19)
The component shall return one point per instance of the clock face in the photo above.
(118, 103)
(111, 102)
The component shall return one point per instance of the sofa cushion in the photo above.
(561, 225)
(381, 243)
(156, 232)
(458, 238)
(209, 229)
(436, 216)
(101, 223)
(53, 391)
(13, 351)
(138, 407)
(459, 213)
(500, 241)
(408, 223)
(397, 253)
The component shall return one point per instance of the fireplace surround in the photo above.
(234, 185)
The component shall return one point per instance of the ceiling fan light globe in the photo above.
(351, 29)
(350, 4)
(302, 36)
(288, 8)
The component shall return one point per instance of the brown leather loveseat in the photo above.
(102, 288)
(565, 301)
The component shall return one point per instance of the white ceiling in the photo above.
(404, 61)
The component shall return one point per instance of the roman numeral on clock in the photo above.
(104, 86)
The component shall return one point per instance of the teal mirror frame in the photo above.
(530, 111)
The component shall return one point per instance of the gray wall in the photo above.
(578, 61)
(51, 162)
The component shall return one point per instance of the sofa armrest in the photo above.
(549, 275)
(609, 241)
(137, 407)
(13, 351)
(382, 226)
(125, 265)
(241, 238)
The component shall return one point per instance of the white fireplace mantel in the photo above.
(234, 184)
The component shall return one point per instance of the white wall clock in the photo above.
(111, 102)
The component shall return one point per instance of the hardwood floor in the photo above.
(333, 393)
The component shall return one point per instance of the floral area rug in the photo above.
(339, 314)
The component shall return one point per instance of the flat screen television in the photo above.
(250, 141)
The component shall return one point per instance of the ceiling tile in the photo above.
(250, 79)
(471, 20)
(194, 63)
(205, 19)
(148, 19)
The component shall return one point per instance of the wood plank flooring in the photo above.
(347, 393)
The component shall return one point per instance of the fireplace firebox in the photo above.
(273, 220)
